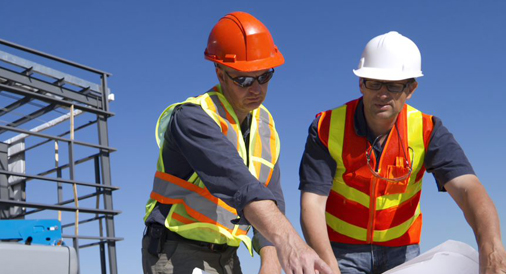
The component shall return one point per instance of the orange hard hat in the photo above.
(243, 43)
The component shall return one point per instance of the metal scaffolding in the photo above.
(45, 170)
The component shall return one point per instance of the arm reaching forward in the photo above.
(315, 227)
(294, 254)
(481, 214)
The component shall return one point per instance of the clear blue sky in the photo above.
(154, 49)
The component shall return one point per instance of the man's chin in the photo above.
(384, 115)
(254, 105)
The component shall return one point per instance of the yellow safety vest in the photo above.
(195, 213)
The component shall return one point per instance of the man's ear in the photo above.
(219, 74)
(412, 87)
(360, 84)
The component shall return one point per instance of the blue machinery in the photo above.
(42, 232)
(35, 246)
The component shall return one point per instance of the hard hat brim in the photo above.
(255, 65)
(386, 74)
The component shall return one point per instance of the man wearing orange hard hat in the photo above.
(218, 170)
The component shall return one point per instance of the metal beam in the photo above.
(62, 208)
(88, 99)
(106, 180)
(83, 221)
(80, 161)
(62, 78)
(84, 197)
(56, 138)
(17, 138)
(15, 105)
(109, 187)
(49, 56)
(93, 237)
(31, 116)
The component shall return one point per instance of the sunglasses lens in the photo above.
(244, 81)
(264, 78)
(247, 81)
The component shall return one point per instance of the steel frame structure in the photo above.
(47, 91)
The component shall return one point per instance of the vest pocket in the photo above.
(395, 171)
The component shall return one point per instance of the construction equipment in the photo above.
(49, 168)
(42, 232)
(40, 243)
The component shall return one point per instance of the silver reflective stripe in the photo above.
(195, 201)
(231, 134)
(264, 131)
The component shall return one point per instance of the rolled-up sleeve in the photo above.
(445, 158)
(259, 241)
(209, 153)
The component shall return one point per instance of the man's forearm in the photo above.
(479, 211)
(314, 227)
(481, 215)
(266, 218)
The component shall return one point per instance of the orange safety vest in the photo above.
(195, 213)
(362, 208)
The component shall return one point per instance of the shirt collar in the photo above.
(361, 127)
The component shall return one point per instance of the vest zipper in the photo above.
(372, 211)
(372, 194)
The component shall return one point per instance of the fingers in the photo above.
(321, 267)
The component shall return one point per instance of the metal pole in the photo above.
(4, 183)
(103, 263)
(106, 178)
(59, 187)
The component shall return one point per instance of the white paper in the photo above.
(450, 257)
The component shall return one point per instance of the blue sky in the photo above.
(154, 50)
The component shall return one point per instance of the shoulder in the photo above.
(188, 118)
(188, 111)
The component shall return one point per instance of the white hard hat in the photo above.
(390, 57)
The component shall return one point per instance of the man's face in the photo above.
(383, 104)
(242, 99)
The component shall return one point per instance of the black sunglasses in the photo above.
(247, 81)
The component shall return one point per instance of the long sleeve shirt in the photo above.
(195, 143)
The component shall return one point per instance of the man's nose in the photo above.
(255, 87)
(383, 92)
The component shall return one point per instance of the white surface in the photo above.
(18, 258)
(199, 271)
(451, 257)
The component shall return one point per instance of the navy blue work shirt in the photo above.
(444, 157)
(195, 143)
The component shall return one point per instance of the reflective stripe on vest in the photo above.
(198, 202)
(363, 209)
(196, 213)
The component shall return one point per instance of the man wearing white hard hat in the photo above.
(362, 169)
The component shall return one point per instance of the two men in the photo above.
(362, 169)
(218, 168)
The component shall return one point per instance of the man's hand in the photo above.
(295, 256)
(493, 260)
